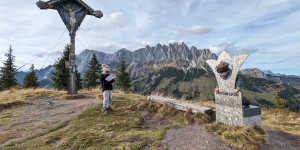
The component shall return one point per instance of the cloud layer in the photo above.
(195, 30)
(268, 30)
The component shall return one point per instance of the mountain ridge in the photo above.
(140, 61)
(152, 58)
(290, 80)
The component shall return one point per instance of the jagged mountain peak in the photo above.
(176, 54)
(122, 51)
(268, 72)
(143, 60)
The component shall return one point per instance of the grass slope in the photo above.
(95, 130)
(197, 84)
(123, 129)
(15, 97)
(245, 138)
(282, 120)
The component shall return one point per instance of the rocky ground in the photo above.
(194, 137)
(19, 123)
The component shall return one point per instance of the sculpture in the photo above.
(72, 16)
(229, 108)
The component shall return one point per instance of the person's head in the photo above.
(105, 69)
(223, 69)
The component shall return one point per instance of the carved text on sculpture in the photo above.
(227, 93)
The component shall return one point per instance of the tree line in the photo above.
(91, 75)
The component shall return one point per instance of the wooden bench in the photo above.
(180, 105)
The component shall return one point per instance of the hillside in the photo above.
(197, 84)
(289, 80)
(48, 121)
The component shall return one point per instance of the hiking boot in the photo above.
(105, 110)
(109, 109)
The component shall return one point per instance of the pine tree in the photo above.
(8, 71)
(30, 80)
(123, 78)
(279, 102)
(60, 77)
(91, 73)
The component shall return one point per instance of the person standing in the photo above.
(106, 81)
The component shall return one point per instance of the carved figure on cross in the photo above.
(72, 16)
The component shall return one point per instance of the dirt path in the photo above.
(21, 122)
(157, 122)
(195, 137)
(281, 141)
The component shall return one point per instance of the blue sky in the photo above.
(269, 30)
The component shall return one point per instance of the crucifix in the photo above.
(72, 13)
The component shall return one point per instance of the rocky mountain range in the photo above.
(139, 62)
(290, 80)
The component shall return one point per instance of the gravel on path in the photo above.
(40, 116)
(194, 137)
(281, 141)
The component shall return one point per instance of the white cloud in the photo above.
(143, 20)
(107, 47)
(195, 30)
(171, 41)
(232, 49)
(110, 21)
(142, 44)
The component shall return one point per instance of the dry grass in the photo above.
(16, 97)
(121, 129)
(92, 92)
(177, 115)
(24, 94)
(282, 120)
(168, 112)
(199, 118)
(97, 92)
(72, 97)
(245, 138)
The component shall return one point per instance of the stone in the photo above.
(252, 115)
(229, 109)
